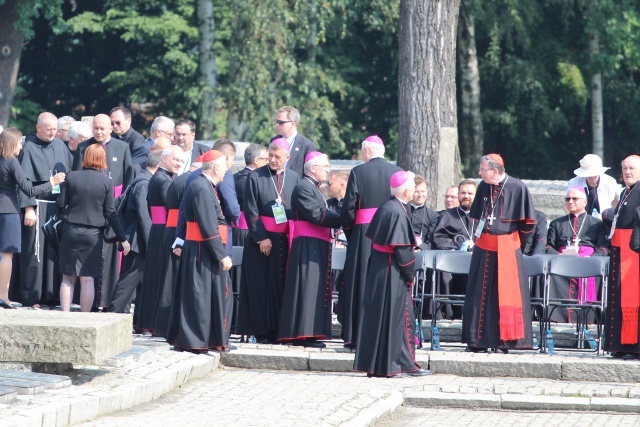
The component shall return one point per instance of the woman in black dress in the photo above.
(11, 178)
(87, 203)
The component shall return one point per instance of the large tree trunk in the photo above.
(597, 122)
(10, 50)
(207, 67)
(427, 116)
(471, 133)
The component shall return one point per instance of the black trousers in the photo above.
(130, 279)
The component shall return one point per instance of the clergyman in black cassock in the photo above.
(385, 339)
(497, 310)
(120, 170)
(621, 331)
(266, 248)
(308, 291)
(563, 232)
(367, 189)
(36, 278)
(202, 301)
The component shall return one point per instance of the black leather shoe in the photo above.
(315, 344)
(630, 356)
(617, 354)
(501, 350)
(4, 304)
(470, 349)
(350, 346)
(418, 373)
(395, 376)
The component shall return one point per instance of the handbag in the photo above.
(51, 231)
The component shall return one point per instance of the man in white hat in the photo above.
(600, 187)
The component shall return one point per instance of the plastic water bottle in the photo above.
(435, 339)
(252, 339)
(416, 338)
(595, 213)
(536, 344)
(589, 338)
(464, 247)
(550, 346)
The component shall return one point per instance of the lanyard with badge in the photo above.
(491, 217)
(621, 204)
(279, 213)
(467, 244)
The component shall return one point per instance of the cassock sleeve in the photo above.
(634, 243)
(310, 210)
(127, 168)
(552, 238)
(111, 214)
(539, 238)
(202, 202)
(442, 238)
(349, 205)
(228, 198)
(252, 210)
(427, 237)
(602, 243)
(406, 260)
(78, 157)
(142, 210)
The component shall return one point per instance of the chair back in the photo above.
(575, 266)
(454, 262)
(236, 255)
(338, 257)
(425, 260)
(536, 265)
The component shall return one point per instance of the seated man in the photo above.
(455, 231)
(423, 219)
(575, 234)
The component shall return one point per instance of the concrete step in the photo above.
(7, 395)
(49, 381)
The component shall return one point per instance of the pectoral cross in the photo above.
(491, 218)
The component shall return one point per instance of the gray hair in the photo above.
(154, 159)
(315, 161)
(78, 129)
(377, 149)
(410, 183)
(65, 120)
(252, 152)
(492, 164)
(160, 120)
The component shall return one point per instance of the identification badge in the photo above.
(279, 214)
(55, 189)
(570, 250)
(470, 244)
(480, 227)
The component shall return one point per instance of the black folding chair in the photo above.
(236, 260)
(453, 262)
(338, 258)
(424, 266)
(537, 267)
(581, 268)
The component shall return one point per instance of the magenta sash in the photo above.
(241, 223)
(158, 214)
(364, 216)
(271, 226)
(586, 287)
(117, 190)
(306, 229)
(384, 249)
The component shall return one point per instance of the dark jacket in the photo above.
(86, 199)
(11, 178)
(137, 221)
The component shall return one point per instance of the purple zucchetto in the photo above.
(282, 143)
(400, 178)
(375, 139)
(312, 155)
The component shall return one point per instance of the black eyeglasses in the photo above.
(281, 122)
(116, 123)
(575, 199)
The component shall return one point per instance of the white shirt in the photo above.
(186, 164)
(607, 188)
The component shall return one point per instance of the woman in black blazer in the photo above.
(11, 178)
(87, 203)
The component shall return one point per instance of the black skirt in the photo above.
(81, 250)
(10, 233)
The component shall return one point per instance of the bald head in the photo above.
(161, 143)
(101, 128)
(46, 127)
(631, 170)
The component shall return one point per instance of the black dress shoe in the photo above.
(501, 350)
(394, 376)
(617, 354)
(350, 346)
(470, 349)
(630, 356)
(315, 344)
(419, 373)
(4, 304)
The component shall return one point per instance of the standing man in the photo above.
(255, 156)
(121, 122)
(43, 155)
(497, 310)
(423, 219)
(367, 189)
(451, 197)
(136, 224)
(227, 188)
(623, 294)
(78, 132)
(336, 189)
(63, 128)
(267, 208)
(184, 137)
(307, 302)
(120, 170)
(299, 146)
(600, 188)
(199, 314)
(385, 346)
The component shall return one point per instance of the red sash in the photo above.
(629, 286)
(158, 215)
(172, 218)
(509, 297)
(306, 229)
(194, 234)
(364, 216)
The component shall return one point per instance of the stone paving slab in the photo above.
(7, 395)
(22, 386)
(49, 381)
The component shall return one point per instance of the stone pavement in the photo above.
(276, 385)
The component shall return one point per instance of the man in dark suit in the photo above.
(287, 128)
(121, 123)
(184, 136)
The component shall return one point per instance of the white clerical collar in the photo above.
(418, 207)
